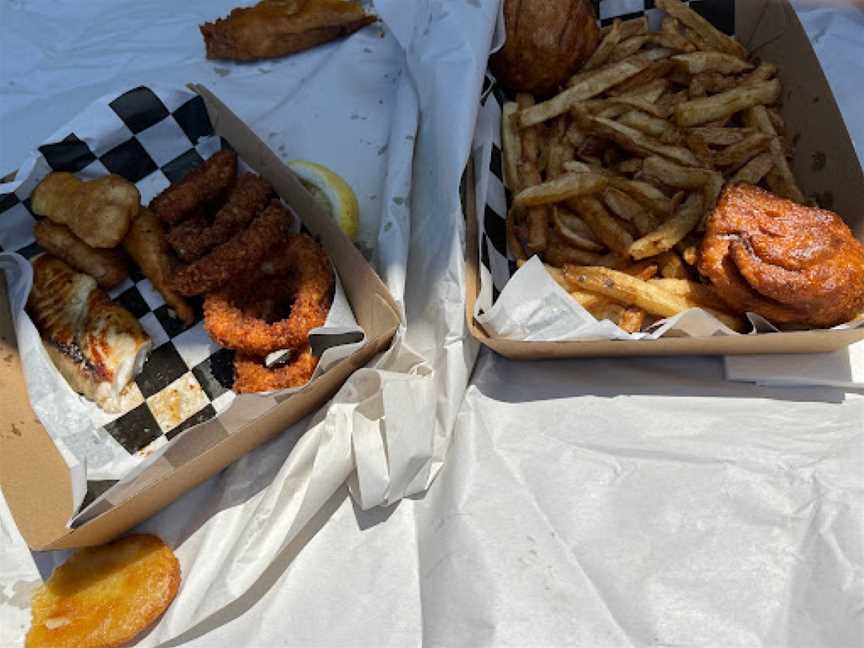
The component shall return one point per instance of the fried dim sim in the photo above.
(103, 597)
(107, 266)
(146, 244)
(200, 186)
(99, 212)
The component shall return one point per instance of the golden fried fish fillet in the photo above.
(106, 266)
(103, 597)
(276, 28)
(785, 261)
(147, 244)
(98, 212)
(97, 345)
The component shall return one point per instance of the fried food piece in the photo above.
(106, 266)
(195, 237)
(250, 374)
(103, 597)
(146, 244)
(237, 257)
(200, 186)
(99, 212)
(782, 260)
(97, 345)
(291, 297)
(547, 41)
(271, 28)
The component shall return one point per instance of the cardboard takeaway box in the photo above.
(825, 165)
(34, 478)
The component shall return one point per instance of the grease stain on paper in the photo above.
(21, 593)
(221, 71)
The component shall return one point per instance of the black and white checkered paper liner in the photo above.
(497, 264)
(151, 136)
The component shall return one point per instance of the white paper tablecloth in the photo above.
(594, 503)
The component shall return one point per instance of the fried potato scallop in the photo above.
(104, 596)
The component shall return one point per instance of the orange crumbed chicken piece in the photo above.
(103, 597)
(787, 262)
(279, 27)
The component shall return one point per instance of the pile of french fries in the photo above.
(615, 177)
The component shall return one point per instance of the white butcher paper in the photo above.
(627, 502)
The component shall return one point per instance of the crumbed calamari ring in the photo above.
(237, 257)
(250, 374)
(248, 318)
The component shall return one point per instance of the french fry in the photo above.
(588, 300)
(650, 80)
(630, 166)
(637, 142)
(615, 106)
(776, 120)
(726, 104)
(710, 194)
(512, 146)
(632, 319)
(689, 249)
(559, 152)
(574, 230)
(560, 189)
(754, 170)
(605, 48)
(643, 270)
(672, 266)
(700, 149)
(780, 178)
(604, 309)
(673, 41)
(645, 194)
(674, 175)
(714, 82)
(574, 136)
(514, 245)
(537, 218)
(673, 99)
(699, 43)
(764, 72)
(629, 290)
(558, 253)
(648, 124)
(692, 290)
(634, 27)
(607, 230)
(624, 207)
(711, 35)
(722, 136)
(671, 232)
(696, 90)
(697, 62)
(641, 86)
(628, 48)
(584, 89)
(738, 154)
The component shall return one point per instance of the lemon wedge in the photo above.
(332, 192)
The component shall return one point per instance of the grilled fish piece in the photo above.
(97, 345)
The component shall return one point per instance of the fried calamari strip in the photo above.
(237, 257)
(200, 186)
(195, 237)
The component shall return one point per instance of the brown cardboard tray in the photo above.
(825, 165)
(34, 477)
